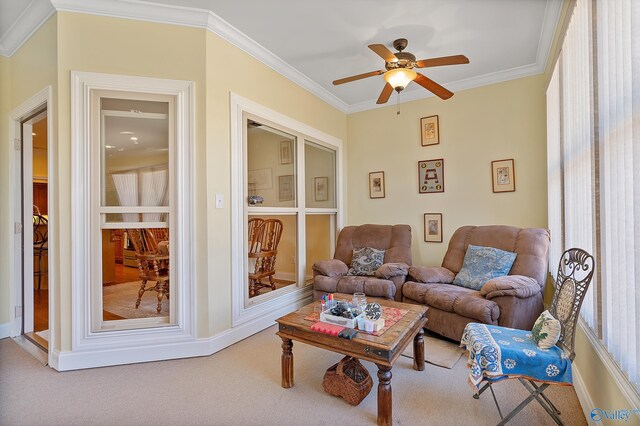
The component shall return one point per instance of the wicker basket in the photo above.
(349, 380)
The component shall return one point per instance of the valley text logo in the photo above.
(598, 414)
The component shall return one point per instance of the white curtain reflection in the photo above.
(153, 187)
(127, 189)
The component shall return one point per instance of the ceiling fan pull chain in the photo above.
(397, 106)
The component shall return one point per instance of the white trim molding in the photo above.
(620, 379)
(202, 18)
(35, 14)
(137, 343)
(5, 330)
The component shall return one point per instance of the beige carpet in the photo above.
(438, 352)
(240, 385)
(120, 299)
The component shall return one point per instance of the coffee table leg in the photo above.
(287, 363)
(384, 395)
(418, 351)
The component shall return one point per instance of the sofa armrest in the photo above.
(389, 270)
(511, 285)
(431, 274)
(330, 268)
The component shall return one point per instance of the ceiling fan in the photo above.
(399, 70)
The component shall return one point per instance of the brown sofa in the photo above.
(330, 276)
(513, 301)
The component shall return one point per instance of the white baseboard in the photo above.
(5, 330)
(65, 361)
(586, 402)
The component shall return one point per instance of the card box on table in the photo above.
(344, 322)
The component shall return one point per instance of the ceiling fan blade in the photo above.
(357, 77)
(382, 51)
(385, 94)
(444, 60)
(433, 87)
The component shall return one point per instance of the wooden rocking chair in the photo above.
(153, 262)
(263, 247)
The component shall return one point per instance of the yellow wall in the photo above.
(6, 150)
(477, 126)
(253, 80)
(27, 72)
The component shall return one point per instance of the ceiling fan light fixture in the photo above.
(398, 78)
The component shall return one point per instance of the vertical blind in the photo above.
(593, 137)
(618, 91)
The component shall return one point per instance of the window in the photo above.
(132, 151)
(593, 105)
(286, 212)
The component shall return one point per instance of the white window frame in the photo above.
(85, 217)
(267, 307)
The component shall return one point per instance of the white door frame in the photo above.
(39, 101)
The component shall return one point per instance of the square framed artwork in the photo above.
(503, 175)
(431, 176)
(286, 188)
(286, 152)
(430, 130)
(321, 188)
(433, 227)
(376, 185)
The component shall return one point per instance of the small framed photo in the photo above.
(503, 175)
(286, 152)
(376, 185)
(321, 188)
(433, 227)
(286, 188)
(430, 130)
(431, 176)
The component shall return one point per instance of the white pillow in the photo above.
(546, 331)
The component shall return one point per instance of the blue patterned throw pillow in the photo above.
(365, 261)
(481, 264)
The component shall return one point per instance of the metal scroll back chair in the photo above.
(264, 249)
(153, 264)
(575, 271)
(40, 242)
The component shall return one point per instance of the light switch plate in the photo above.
(219, 201)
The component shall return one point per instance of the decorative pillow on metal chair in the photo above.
(481, 264)
(365, 261)
(546, 331)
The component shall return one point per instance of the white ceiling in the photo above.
(317, 42)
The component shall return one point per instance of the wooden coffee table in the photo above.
(382, 350)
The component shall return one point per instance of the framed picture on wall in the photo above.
(503, 175)
(433, 227)
(286, 188)
(286, 152)
(431, 176)
(321, 188)
(376, 185)
(430, 130)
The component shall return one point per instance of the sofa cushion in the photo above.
(510, 285)
(374, 287)
(481, 264)
(331, 267)
(389, 270)
(432, 274)
(365, 261)
(450, 298)
(325, 284)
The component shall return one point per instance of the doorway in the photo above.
(35, 225)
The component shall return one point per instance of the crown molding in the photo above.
(198, 18)
(39, 11)
(36, 14)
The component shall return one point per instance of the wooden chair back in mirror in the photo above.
(153, 263)
(253, 226)
(40, 242)
(264, 249)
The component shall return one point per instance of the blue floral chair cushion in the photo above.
(366, 261)
(481, 264)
